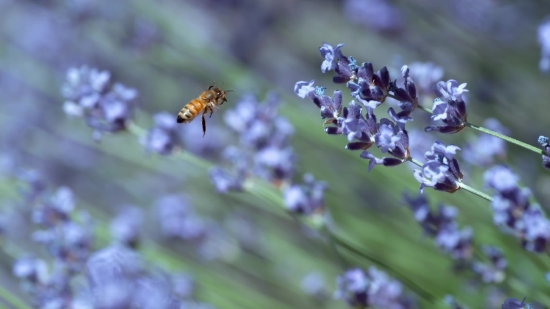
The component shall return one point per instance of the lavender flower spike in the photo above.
(441, 170)
(449, 107)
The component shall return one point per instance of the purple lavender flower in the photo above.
(407, 96)
(371, 88)
(391, 138)
(442, 226)
(379, 15)
(543, 141)
(514, 303)
(125, 227)
(493, 272)
(162, 137)
(543, 35)
(373, 288)
(345, 67)
(178, 219)
(512, 209)
(264, 151)
(307, 198)
(441, 170)
(482, 150)
(449, 107)
(331, 108)
(87, 94)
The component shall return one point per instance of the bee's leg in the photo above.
(204, 123)
(211, 111)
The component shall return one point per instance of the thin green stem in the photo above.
(506, 138)
(476, 192)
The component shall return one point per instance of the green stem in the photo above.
(506, 138)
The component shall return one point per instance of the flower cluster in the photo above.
(441, 170)
(264, 150)
(513, 210)
(162, 138)
(88, 94)
(442, 226)
(372, 288)
(307, 198)
(118, 278)
(179, 221)
(67, 236)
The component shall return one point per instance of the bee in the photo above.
(208, 101)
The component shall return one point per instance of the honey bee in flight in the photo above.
(208, 101)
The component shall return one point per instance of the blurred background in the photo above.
(256, 255)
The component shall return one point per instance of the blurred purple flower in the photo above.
(88, 94)
(493, 272)
(449, 107)
(178, 219)
(441, 170)
(314, 284)
(442, 226)
(373, 288)
(125, 227)
(425, 75)
(307, 198)
(264, 149)
(379, 15)
(482, 150)
(543, 34)
(162, 137)
(512, 209)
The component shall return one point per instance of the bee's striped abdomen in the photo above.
(190, 111)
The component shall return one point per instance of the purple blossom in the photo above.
(303, 89)
(333, 56)
(494, 271)
(543, 34)
(307, 198)
(264, 150)
(543, 141)
(88, 94)
(425, 75)
(162, 138)
(373, 288)
(442, 226)
(449, 107)
(513, 210)
(482, 150)
(331, 108)
(407, 96)
(391, 138)
(514, 303)
(379, 15)
(178, 219)
(125, 227)
(441, 170)
(371, 88)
